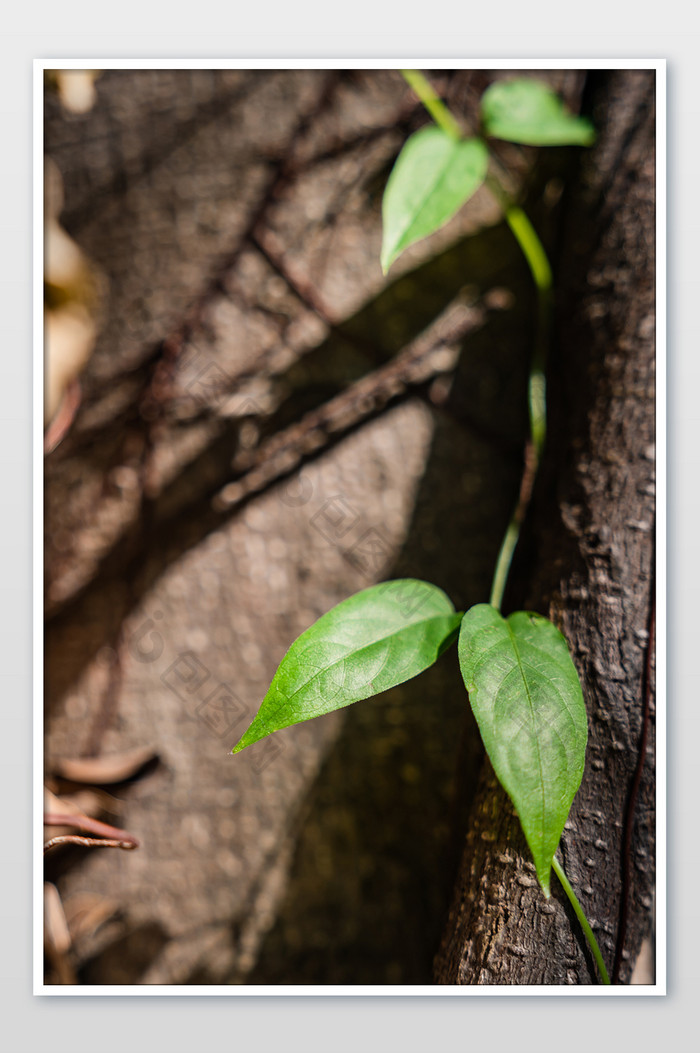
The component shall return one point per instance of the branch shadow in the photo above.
(184, 513)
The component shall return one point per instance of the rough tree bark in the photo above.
(586, 559)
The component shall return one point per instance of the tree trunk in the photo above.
(586, 559)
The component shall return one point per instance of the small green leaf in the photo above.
(372, 641)
(528, 111)
(526, 697)
(433, 177)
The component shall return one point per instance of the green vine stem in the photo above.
(536, 257)
(432, 102)
(583, 920)
(541, 271)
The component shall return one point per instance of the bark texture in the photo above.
(586, 560)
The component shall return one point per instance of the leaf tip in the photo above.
(544, 878)
(244, 740)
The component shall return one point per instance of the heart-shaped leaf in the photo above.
(526, 697)
(374, 640)
(433, 177)
(529, 112)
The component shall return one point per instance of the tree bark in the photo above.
(586, 560)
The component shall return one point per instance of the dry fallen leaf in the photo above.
(85, 912)
(57, 938)
(62, 817)
(72, 292)
(76, 88)
(101, 771)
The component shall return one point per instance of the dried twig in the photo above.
(88, 842)
(90, 826)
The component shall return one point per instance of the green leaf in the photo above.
(526, 697)
(372, 641)
(528, 111)
(433, 177)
